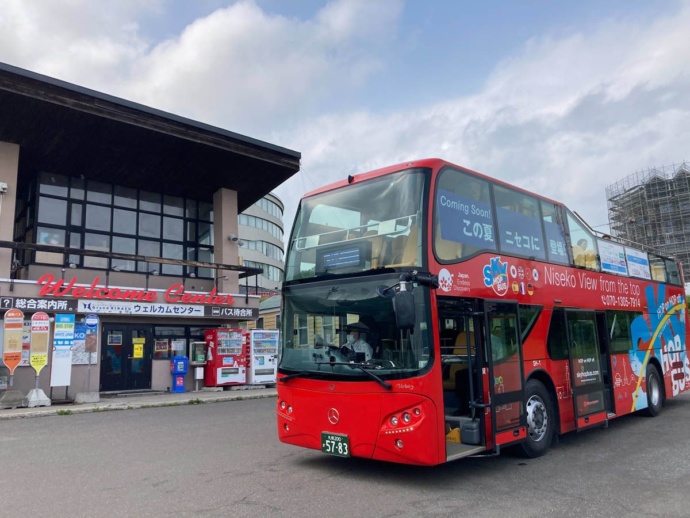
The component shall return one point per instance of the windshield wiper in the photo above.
(302, 374)
(363, 368)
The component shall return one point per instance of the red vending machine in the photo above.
(226, 357)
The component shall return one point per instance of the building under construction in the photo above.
(652, 208)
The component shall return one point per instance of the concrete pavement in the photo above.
(130, 401)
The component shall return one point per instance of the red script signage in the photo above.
(175, 294)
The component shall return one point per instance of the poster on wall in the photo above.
(178, 346)
(63, 339)
(161, 349)
(85, 345)
(79, 355)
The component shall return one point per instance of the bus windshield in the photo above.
(363, 226)
(338, 329)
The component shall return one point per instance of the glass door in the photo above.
(126, 357)
(506, 388)
(585, 366)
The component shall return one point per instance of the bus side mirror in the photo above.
(403, 305)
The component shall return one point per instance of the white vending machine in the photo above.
(262, 363)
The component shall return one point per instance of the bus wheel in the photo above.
(655, 395)
(540, 419)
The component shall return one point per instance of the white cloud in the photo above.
(565, 115)
(250, 71)
(80, 41)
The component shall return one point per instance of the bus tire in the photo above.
(541, 419)
(655, 392)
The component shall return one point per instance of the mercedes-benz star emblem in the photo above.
(333, 416)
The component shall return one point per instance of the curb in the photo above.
(130, 404)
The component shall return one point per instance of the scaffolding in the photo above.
(652, 208)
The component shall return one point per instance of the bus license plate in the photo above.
(335, 444)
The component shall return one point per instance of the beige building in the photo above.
(261, 235)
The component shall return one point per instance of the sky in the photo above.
(560, 98)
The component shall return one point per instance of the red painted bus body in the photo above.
(488, 323)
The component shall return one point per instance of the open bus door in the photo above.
(586, 370)
(504, 363)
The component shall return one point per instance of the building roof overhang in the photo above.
(66, 129)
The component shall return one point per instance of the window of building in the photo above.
(116, 219)
(268, 249)
(272, 273)
(263, 224)
(302, 330)
(270, 207)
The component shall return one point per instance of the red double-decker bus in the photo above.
(432, 313)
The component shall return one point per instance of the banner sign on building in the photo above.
(39, 304)
(139, 308)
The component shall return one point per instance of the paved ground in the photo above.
(143, 401)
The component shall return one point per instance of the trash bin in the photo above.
(178, 368)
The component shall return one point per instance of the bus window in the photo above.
(582, 243)
(359, 227)
(528, 317)
(519, 223)
(556, 248)
(584, 348)
(619, 329)
(503, 337)
(557, 341)
(656, 264)
(463, 221)
(673, 272)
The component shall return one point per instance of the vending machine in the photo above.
(262, 366)
(226, 357)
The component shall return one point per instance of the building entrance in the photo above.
(126, 357)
